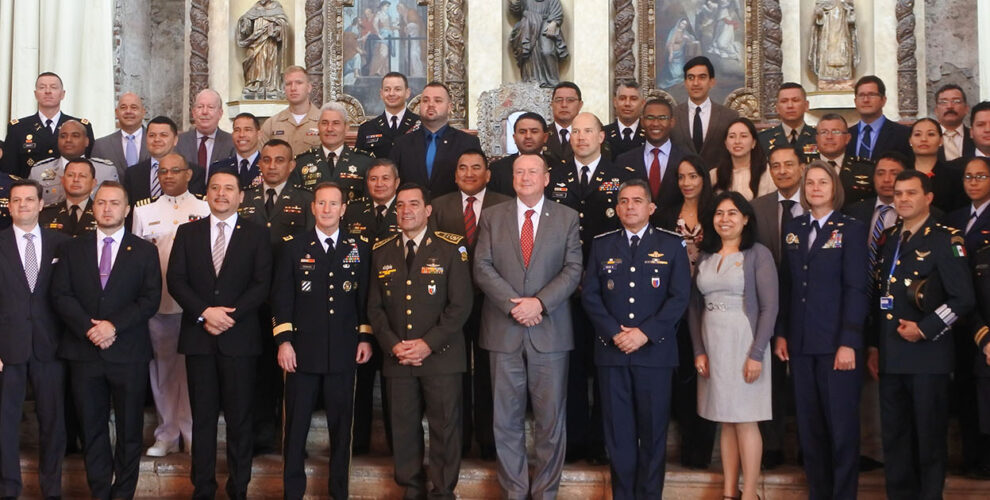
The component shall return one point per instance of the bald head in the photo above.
(586, 137)
(129, 112)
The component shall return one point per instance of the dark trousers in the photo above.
(221, 382)
(697, 434)
(477, 385)
(302, 391)
(267, 393)
(914, 414)
(774, 430)
(975, 444)
(584, 415)
(439, 396)
(635, 412)
(827, 404)
(364, 399)
(94, 385)
(46, 378)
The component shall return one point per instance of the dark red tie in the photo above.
(202, 153)
(470, 224)
(526, 238)
(655, 174)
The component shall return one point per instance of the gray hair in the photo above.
(335, 106)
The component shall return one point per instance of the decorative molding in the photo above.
(624, 39)
(495, 106)
(744, 101)
(454, 59)
(118, 28)
(771, 38)
(907, 63)
(199, 47)
(314, 49)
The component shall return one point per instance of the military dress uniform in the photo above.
(29, 141)
(376, 135)
(6, 180)
(300, 136)
(925, 279)
(429, 301)
(807, 141)
(616, 140)
(980, 331)
(856, 176)
(318, 306)
(290, 215)
(49, 174)
(249, 177)
(361, 219)
(647, 287)
(155, 220)
(58, 217)
(348, 170)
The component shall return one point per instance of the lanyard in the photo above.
(893, 265)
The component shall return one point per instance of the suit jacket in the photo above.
(137, 181)
(242, 284)
(20, 154)
(893, 136)
(713, 148)
(618, 144)
(188, 147)
(768, 223)
(668, 182)
(553, 274)
(448, 213)
(376, 138)
(130, 299)
(111, 148)
(947, 185)
(29, 326)
(409, 153)
(249, 178)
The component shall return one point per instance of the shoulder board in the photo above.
(13, 177)
(14, 121)
(449, 237)
(668, 231)
(45, 161)
(630, 169)
(363, 152)
(608, 233)
(101, 160)
(84, 121)
(141, 203)
(199, 196)
(382, 242)
(287, 238)
(948, 229)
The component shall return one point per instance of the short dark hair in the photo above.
(28, 182)
(48, 73)
(164, 120)
(881, 88)
(908, 174)
(785, 147)
(896, 157)
(114, 185)
(530, 115)
(245, 114)
(224, 170)
(441, 85)
(713, 243)
(566, 85)
(978, 108)
(637, 182)
(475, 151)
(625, 82)
(330, 185)
(661, 101)
(833, 116)
(384, 162)
(982, 159)
(80, 159)
(700, 61)
(278, 142)
(412, 185)
(792, 85)
(950, 86)
(396, 74)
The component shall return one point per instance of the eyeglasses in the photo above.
(568, 100)
(977, 177)
(174, 171)
(868, 95)
(945, 102)
(657, 118)
(833, 132)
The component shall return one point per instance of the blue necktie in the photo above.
(131, 154)
(431, 153)
(864, 146)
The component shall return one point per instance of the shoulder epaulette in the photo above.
(607, 233)
(54, 205)
(199, 196)
(381, 243)
(948, 229)
(101, 160)
(630, 169)
(13, 177)
(141, 203)
(84, 121)
(668, 231)
(312, 150)
(449, 237)
(287, 238)
(14, 121)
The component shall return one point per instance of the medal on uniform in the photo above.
(610, 285)
(431, 289)
(791, 239)
(610, 212)
(655, 281)
(347, 286)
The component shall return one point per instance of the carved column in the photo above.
(455, 61)
(314, 49)
(199, 47)
(907, 63)
(772, 56)
(624, 39)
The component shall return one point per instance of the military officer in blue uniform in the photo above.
(636, 287)
(377, 135)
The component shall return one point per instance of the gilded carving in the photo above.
(199, 47)
(907, 63)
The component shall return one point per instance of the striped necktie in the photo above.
(878, 228)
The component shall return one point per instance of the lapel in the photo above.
(883, 137)
(823, 236)
(90, 257)
(235, 238)
(47, 255)
(596, 180)
(442, 146)
(422, 252)
(316, 248)
(408, 120)
(716, 117)
(620, 248)
(541, 232)
(639, 163)
(8, 248)
(517, 232)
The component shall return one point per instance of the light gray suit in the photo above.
(188, 147)
(713, 148)
(111, 148)
(534, 357)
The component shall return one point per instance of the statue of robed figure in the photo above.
(263, 30)
(537, 41)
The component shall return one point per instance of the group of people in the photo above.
(676, 262)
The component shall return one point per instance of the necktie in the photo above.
(793, 137)
(330, 247)
(379, 214)
(431, 153)
(786, 215)
(627, 134)
(30, 261)
(218, 248)
(270, 202)
(131, 153)
(73, 218)
(655, 174)
(698, 134)
(395, 123)
(878, 228)
(972, 220)
(156, 186)
(563, 137)
(526, 237)
(244, 167)
(106, 261)
(634, 243)
(410, 254)
(331, 161)
(584, 178)
(833, 164)
(951, 148)
(48, 125)
(201, 154)
(813, 236)
(470, 224)
(864, 144)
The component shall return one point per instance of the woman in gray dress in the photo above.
(732, 316)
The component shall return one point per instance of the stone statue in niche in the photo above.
(537, 41)
(263, 31)
(834, 51)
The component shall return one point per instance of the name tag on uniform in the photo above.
(887, 303)
(307, 264)
(279, 132)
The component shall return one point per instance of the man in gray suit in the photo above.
(700, 124)
(526, 324)
(125, 146)
(205, 143)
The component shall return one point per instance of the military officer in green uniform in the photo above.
(374, 215)
(73, 215)
(276, 203)
(792, 104)
(856, 173)
(332, 160)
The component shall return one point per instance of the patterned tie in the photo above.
(270, 202)
(655, 174)
(201, 154)
(30, 261)
(698, 134)
(131, 153)
(526, 238)
(949, 143)
(106, 258)
(878, 228)
(410, 255)
(431, 153)
(156, 186)
(864, 145)
(218, 248)
(470, 223)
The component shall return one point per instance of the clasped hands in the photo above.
(411, 352)
(102, 334)
(629, 339)
(528, 311)
(218, 319)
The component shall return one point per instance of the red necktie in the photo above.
(655, 174)
(526, 238)
(470, 224)
(202, 153)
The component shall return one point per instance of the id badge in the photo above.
(887, 303)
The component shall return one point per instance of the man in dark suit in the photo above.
(332, 160)
(74, 216)
(34, 138)
(792, 104)
(125, 147)
(530, 135)
(244, 161)
(635, 316)
(141, 180)
(565, 104)
(377, 135)
(420, 298)
(459, 213)
(205, 142)
(856, 173)
(428, 156)
(106, 287)
(951, 109)
(29, 336)
(320, 350)
(700, 124)
(657, 160)
(626, 132)
(219, 272)
(875, 134)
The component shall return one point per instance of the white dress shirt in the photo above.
(114, 247)
(706, 115)
(813, 235)
(479, 199)
(22, 244)
(633, 128)
(398, 118)
(323, 238)
(889, 219)
(418, 239)
(796, 211)
(336, 153)
(591, 167)
(230, 222)
(54, 120)
(663, 157)
(278, 191)
(521, 209)
(639, 233)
